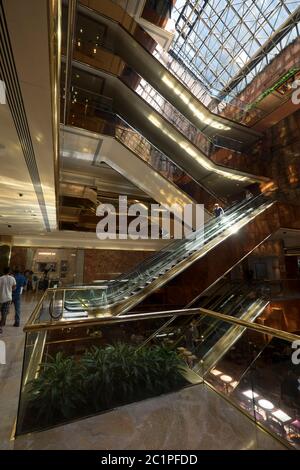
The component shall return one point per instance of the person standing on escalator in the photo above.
(248, 195)
(218, 211)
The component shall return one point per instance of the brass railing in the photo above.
(32, 326)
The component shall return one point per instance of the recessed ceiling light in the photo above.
(266, 404)
(226, 378)
(250, 394)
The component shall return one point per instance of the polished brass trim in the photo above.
(182, 265)
(167, 313)
(54, 21)
(72, 9)
(247, 415)
(65, 289)
(233, 334)
(123, 306)
(36, 310)
(253, 326)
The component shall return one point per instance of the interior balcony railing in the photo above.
(271, 289)
(96, 364)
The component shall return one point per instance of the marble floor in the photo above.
(10, 373)
(196, 418)
(193, 418)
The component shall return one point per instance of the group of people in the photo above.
(11, 287)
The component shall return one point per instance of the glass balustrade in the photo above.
(130, 358)
(172, 115)
(235, 299)
(259, 375)
(208, 145)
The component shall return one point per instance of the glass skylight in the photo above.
(216, 40)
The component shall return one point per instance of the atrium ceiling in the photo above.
(228, 42)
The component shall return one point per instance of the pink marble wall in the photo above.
(108, 264)
(18, 257)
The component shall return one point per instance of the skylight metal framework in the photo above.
(226, 43)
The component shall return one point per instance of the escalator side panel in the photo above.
(217, 262)
(163, 135)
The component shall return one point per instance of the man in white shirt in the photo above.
(7, 285)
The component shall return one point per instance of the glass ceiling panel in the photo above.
(216, 39)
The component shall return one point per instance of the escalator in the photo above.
(157, 167)
(163, 124)
(173, 272)
(205, 334)
(165, 278)
(122, 153)
(189, 152)
(137, 49)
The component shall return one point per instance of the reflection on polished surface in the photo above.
(266, 383)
